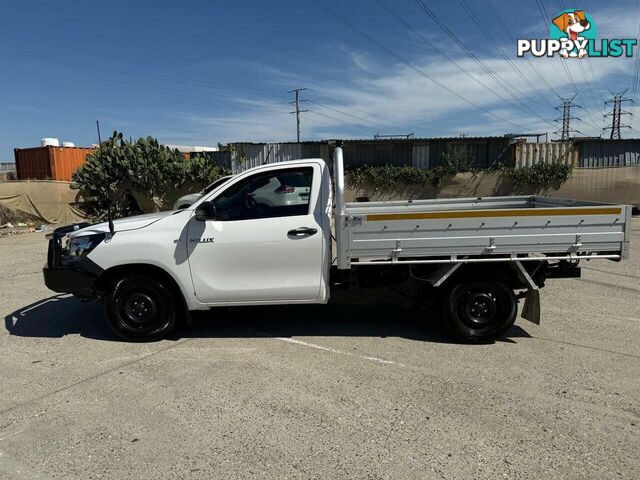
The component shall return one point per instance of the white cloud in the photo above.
(390, 96)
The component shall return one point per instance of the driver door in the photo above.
(266, 243)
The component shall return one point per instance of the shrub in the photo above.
(539, 177)
(454, 160)
(389, 177)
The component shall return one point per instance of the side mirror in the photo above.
(206, 211)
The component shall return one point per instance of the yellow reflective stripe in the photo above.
(525, 212)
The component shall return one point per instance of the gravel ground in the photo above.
(320, 392)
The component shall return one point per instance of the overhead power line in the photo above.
(546, 21)
(330, 117)
(148, 89)
(498, 48)
(137, 61)
(593, 75)
(409, 64)
(148, 92)
(505, 28)
(156, 102)
(432, 46)
(173, 80)
(588, 81)
(508, 89)
(343, 109)
(324, 124)
(341, 112)
(374, 120)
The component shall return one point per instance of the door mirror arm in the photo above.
(206, 211)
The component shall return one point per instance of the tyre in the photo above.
(140, 308)
(480, 310)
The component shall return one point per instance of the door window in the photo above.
(277, 193)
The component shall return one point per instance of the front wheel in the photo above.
(479, 311)
(140, 308)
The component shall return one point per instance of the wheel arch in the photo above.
(119, 271)
(502, 271)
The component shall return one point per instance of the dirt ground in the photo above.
(320, 391)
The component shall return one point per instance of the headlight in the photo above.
(79, 246)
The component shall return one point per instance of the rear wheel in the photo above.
(140, 308)
(480, 310)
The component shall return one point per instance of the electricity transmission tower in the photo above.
(297, 111)
(566, 130)
(617, 113)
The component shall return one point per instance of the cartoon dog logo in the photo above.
(573, 24)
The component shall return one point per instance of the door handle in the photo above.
(302, 232)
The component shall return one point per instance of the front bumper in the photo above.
(67, 280)
(65, 274)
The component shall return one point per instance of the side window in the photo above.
(278, 193)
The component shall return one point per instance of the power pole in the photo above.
(566, 130)
(297, 111)
(617, 113)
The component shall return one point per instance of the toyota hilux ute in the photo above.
(264, 237)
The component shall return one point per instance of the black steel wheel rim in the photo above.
(479, 307)
(140, 311)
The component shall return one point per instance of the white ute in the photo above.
(264, 237)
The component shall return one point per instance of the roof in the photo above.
(381, 140)
(191, 148)
(598, 139)
(419, 139)
(54, 146)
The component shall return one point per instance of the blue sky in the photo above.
(202, 72)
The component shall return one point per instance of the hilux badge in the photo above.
(202, 240)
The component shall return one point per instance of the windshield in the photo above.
(217, 183)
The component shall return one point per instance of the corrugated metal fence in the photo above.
(377, 154)
(581, 154)
(478, 153)
(481, 153)
(262, 153)
(609, 153)
(219, 158)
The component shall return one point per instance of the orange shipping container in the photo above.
(54, 163)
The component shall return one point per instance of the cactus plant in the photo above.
(138, 176)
